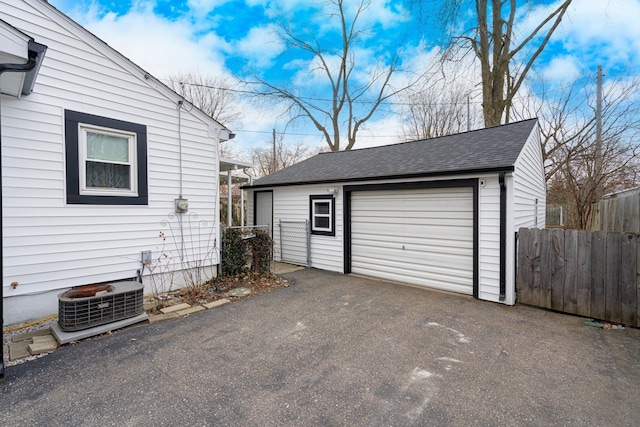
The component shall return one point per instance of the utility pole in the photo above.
(275, 158)
(598, 160)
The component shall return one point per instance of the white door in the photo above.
(264, 209)
(422, 237)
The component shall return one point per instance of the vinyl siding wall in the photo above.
(292, 202)
(528, 185)
(489, 239)
(49, 245)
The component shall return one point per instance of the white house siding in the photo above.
(292, 204)
(50, 245)
(489, 239)
(529, 185)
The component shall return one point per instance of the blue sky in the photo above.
(236, 38)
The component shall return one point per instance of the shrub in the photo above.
(234, 252)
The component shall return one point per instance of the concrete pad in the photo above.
(149, 304)
(43, 344)
(29, 335)
(217, 303)
(176, 307)
(66, 337)
(191, 310)
(162, 317)
(282, 268)
(19, 350)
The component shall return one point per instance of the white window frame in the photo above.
(315, 215)
(132, 191)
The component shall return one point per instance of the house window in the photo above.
(106, 160)
(322, 213)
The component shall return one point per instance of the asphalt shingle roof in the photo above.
(491, 148)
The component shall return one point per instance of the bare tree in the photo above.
(214, 95)
(439, 109)
(353, 101)
(505, 58)
(263, 160)
(567, 122)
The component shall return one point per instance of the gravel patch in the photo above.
(10, 331)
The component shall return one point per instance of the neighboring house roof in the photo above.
(484, 150)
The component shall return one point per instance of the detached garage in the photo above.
(439, 213)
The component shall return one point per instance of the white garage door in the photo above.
(422, 237)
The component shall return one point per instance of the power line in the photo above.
(393, 103)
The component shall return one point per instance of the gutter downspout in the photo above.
(244, 171)
(503, 235)
(229, 200)
(5, 68)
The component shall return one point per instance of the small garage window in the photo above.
(322, 214)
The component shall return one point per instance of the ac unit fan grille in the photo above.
(126, 300)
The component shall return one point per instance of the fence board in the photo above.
(598, 274)
(637, 281)
(612, 282)
(535, 268)
(583, 276)
(628, 279)
(571, 271)
(545, 270)
(525, 266)
(557, 270)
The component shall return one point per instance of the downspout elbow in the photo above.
(244, 170)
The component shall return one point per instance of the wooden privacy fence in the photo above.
(620, 213)
(591, 274)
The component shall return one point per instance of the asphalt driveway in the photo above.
(339, 350)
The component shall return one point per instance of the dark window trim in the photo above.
(473, 183)
(71, 121)
(332, 218)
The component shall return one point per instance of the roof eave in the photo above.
(387, 178)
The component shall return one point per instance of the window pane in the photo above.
(108, 175)
(107, 147)
(322, 222)
(321, 208)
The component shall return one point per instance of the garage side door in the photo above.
(422, 237)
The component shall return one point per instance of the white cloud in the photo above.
(562, 68)
(605, 32)
(387, 14)
(158, 45)
(205, 5)
(260, 46)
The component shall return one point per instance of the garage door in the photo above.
(422, 237)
